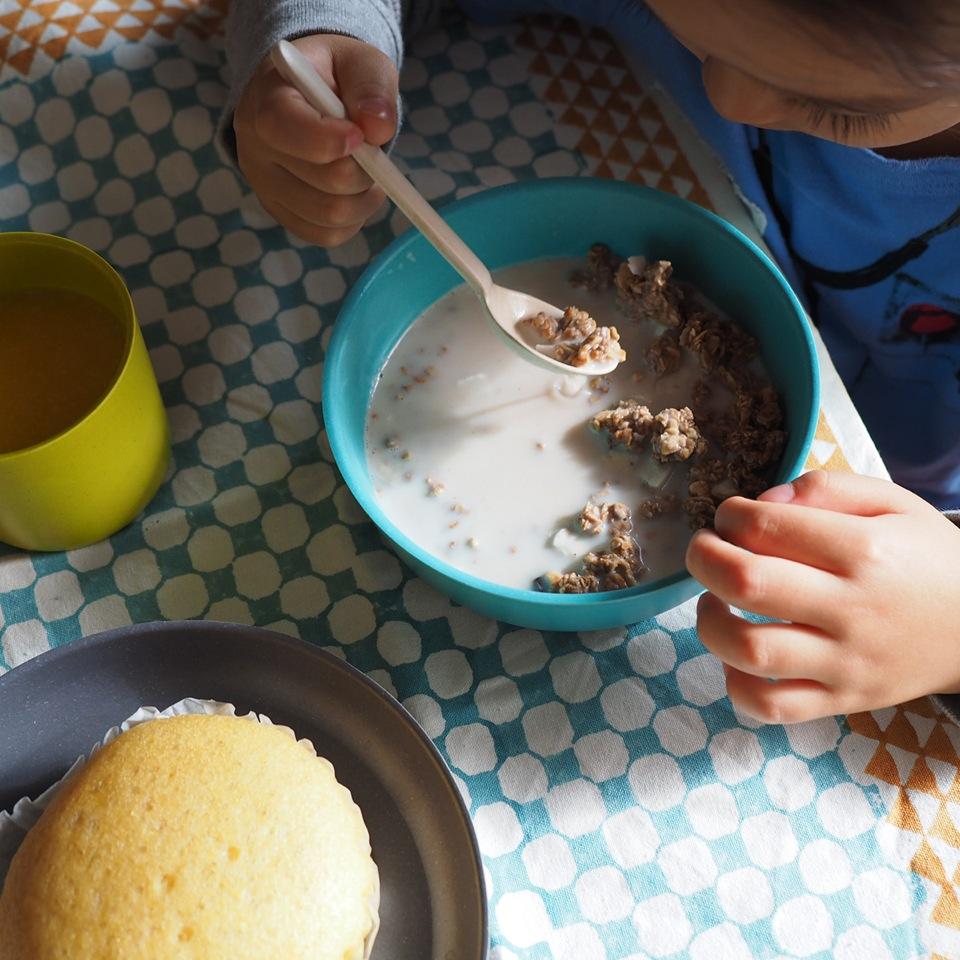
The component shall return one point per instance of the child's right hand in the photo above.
(864, 579)
(297, 161)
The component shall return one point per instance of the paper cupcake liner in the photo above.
(15, 825)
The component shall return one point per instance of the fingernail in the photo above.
(781, 494)
(376, 107)
(352, 140)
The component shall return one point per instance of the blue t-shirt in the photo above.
(872, 245)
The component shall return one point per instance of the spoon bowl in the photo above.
(504, 308)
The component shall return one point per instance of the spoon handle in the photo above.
(297, 70)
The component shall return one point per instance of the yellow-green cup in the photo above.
(92, 479)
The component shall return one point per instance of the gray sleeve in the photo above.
(254, 26)
(950, 702)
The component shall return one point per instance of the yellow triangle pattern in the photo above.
(826, 453)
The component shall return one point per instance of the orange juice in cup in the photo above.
(60, 352)
(83, 434)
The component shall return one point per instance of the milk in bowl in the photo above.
(534, 480)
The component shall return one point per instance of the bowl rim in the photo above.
(410, 236)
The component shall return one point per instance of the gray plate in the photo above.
(55, 707)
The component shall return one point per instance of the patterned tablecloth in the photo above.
(622, 807)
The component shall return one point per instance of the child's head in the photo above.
(869, 73)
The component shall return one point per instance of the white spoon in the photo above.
(505, 307)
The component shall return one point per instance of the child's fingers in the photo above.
(769, 586)
(319, 208)
(340, 176)
(843, 493)
(285, 123)
(808, 535)
(368, 85)
(781, 650)
(784, 701)
(311, 232)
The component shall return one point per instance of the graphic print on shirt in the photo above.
(884, 267)
(925, 321)
(920, 324)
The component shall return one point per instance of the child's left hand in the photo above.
(866, 573)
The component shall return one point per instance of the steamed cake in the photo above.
(195, 837)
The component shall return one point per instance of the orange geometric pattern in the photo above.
(916, 753)
(52, 28)
(601, 111)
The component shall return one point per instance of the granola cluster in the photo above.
(644, 292)
(718, 343)
(672, 433)
(750, 433)
(577, 338)
(664, 355)
(754, 438)
(676, 436)
(619, 566)
(628, 424)
(601, 346)
(573, 324)
(601, 269)
(594, 517)
(728, 439)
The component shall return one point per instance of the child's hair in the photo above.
(921, 37)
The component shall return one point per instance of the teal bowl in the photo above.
(560, 218)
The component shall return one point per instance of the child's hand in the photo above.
(866, 573)
(297, 161)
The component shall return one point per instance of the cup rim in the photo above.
(337, 434)
(59, 245)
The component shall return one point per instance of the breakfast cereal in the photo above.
(647, 452)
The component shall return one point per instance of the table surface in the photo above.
(622, 807)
